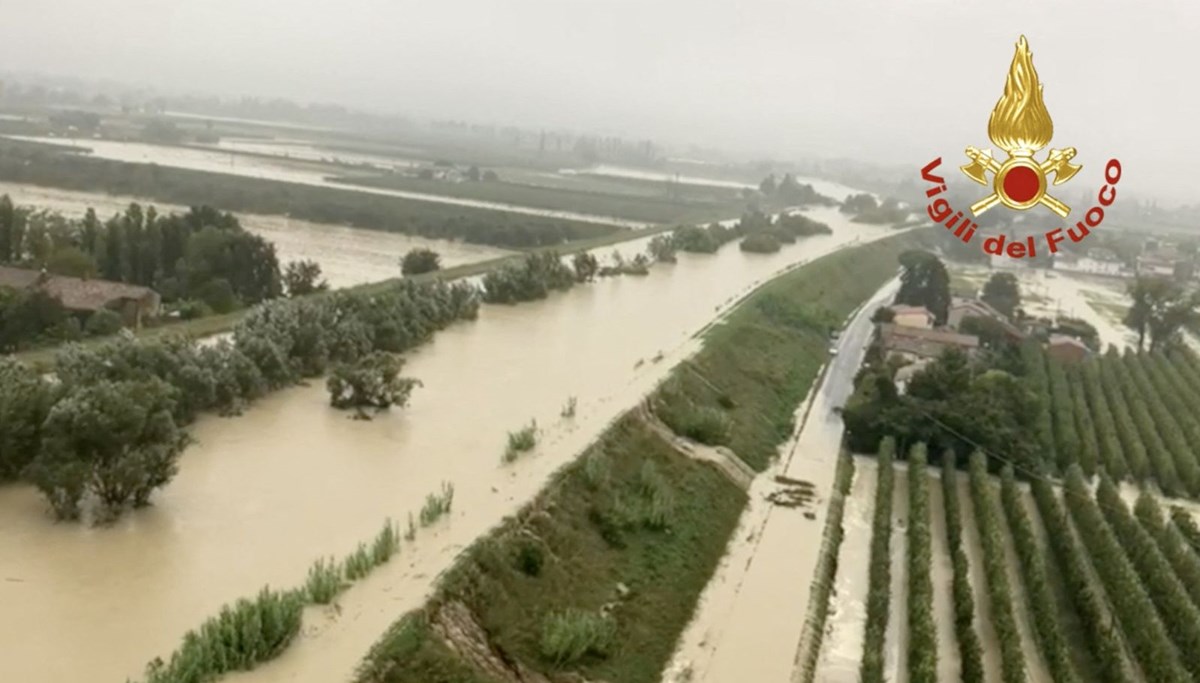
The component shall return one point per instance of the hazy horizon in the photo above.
(857, 80)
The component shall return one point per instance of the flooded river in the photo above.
(348, 256)
(304, 173)
(259, 497)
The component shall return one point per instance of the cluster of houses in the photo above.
(1157, 258)
(913, 338)
(83, 297)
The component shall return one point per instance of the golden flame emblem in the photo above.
(1020, 125)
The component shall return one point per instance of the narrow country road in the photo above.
(749, 622)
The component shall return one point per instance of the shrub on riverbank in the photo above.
(521, 441)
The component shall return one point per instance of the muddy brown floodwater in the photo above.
(348, 256)
(942, 574)
(895, 649)
(259, 497)
(842, 646)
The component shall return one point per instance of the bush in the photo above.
(420, 260)
(521, 441)
(662, 249)
(373, 381)
(530, 557)
(760, 243)
(573, 634)
(303, 277)
(437, 505)
(324, 581)
(218, 294)
(103, 323)
(239, 638)
(534, 278)
(191, 309)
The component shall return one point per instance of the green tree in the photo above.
(585, 265)
(373, 381)
(114, 439)
(1003, 293)
(768, 186)
(925, 282)
(72, 262)
(303, 277)
(1160, 308)
(420, 260)
(25, 401)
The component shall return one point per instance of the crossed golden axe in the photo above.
(1058, 162)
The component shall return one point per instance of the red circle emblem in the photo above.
(1021, 184)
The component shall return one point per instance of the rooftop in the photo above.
(75, 293)
(922, 342)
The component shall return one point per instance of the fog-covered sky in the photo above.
(897, 82)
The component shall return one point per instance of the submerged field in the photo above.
(1084, 566)
(601, 573)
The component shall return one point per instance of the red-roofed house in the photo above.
(135, 304)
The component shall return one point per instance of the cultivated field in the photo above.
(1082, 567)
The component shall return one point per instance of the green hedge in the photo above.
(969, 652)
(922, 634)
(1012, 661)
(1042, 604)
(1131, 602)
(879, 584)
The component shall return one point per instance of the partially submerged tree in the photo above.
(303, 277)
(114, 440)
(373, 381)
(420, 260)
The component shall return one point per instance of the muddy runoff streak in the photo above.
(348, 256)
(259, 497)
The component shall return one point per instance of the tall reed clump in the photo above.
(573, 634)
(521, 441)
(239, 638)
(250, 632)
(324, 581)
(437, 504)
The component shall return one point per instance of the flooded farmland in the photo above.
(288, 170)
(348, 256)
(259, 497)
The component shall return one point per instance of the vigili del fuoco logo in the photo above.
(1021, 126)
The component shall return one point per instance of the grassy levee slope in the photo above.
(600, 574)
